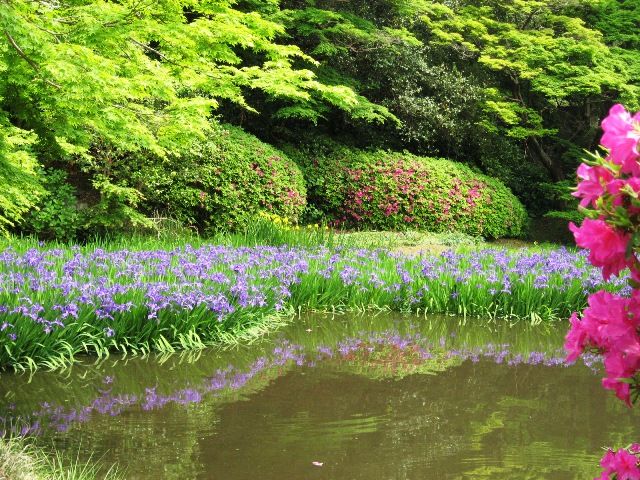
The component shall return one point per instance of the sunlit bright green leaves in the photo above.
(129, 72)
(19, 186)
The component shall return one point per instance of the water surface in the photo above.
(385, 397)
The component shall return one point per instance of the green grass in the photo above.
(263, 232)
(260, 232)
(20, 460)
(409, 238)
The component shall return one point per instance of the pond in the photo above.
(345, 397)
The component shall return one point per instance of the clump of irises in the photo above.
(58, 303)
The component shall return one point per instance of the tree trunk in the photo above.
(554, 169)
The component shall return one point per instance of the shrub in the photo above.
(221, 183)
(396, 191)
(116, 211)
(56, 215)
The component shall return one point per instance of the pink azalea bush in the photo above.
(609, 192)
(381, 190)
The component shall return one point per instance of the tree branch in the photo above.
(31, 63)
(168, 60)
(134, 12)
(53, 34)
(153, 50)
(552, 167)
(529, 18)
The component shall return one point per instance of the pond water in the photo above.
(383, 397)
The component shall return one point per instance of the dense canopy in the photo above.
(512, 88)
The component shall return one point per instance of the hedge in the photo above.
(396, 191)
(221, 183)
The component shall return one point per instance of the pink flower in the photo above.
(619, 188)
(595, 181)
(577, 338)
(621, 463)
(605, 320)
(614, 186)
(619, 367)
(621, 137)
(609, 324)
(633, 183)
(607, 463)
(607, 245)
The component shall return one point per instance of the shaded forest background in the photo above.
(112, 112)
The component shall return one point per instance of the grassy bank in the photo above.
(147, 295)
(21, 461)
(266, 233)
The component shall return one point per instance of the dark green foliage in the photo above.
(57, 216)
(221, 183)
(437, 105)
(513, 87)
(505, 160)
(117, 210)
(550, 75)
(618, 20)
(396, 191)
(561, 191)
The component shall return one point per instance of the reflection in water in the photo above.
(399, 401)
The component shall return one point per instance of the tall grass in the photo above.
(261, 232)
(20, 460)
